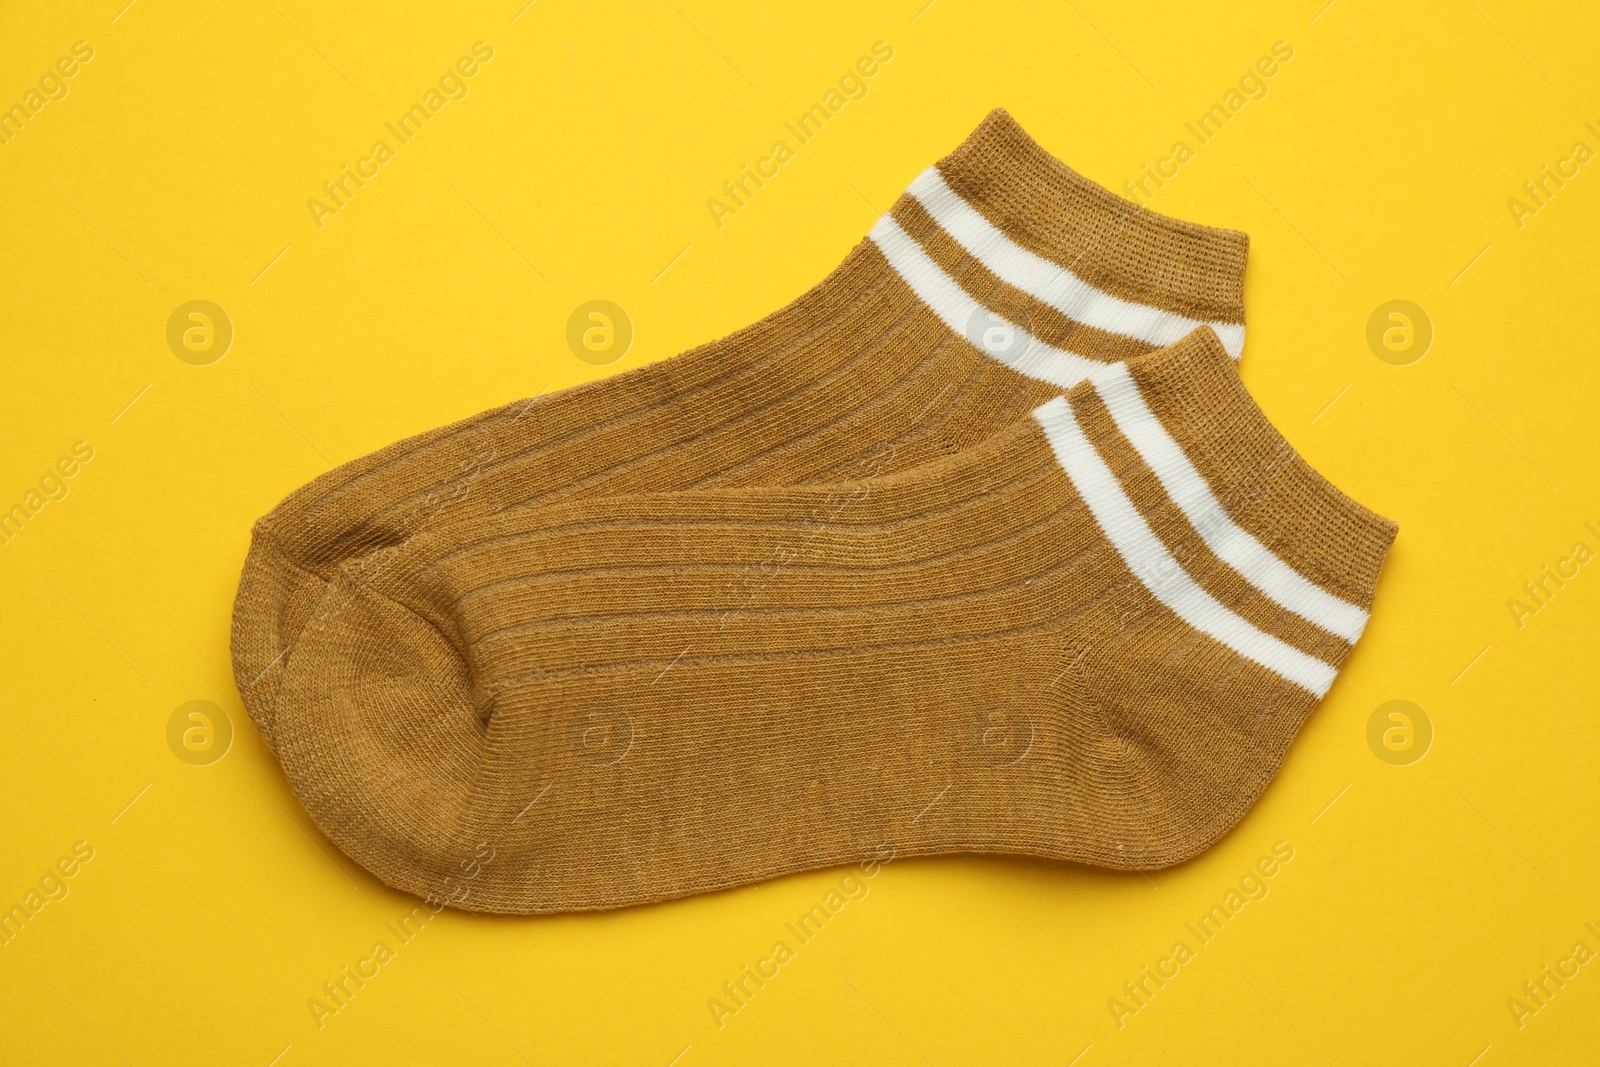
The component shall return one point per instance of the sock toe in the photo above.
(380, 736)
(276, 598)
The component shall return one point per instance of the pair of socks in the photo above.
(979, 546)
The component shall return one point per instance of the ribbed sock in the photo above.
(998, 279)
(1090, 638)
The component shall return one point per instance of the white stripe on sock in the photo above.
(1024, 353)
(1236, 547)
(1154, 566)
(1052, 283)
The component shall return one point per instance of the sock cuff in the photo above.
(1215, 514)
(1313, 547)
(1111, 243)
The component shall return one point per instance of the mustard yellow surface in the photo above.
(1385, 161)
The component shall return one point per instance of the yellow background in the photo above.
(1378, 167)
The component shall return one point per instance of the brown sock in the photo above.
(998, 279)
(1091, 638)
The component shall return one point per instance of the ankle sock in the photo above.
(998, 279)
(1090, 637)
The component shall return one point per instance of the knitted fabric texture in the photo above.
(1091, 637)
(998, 279)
